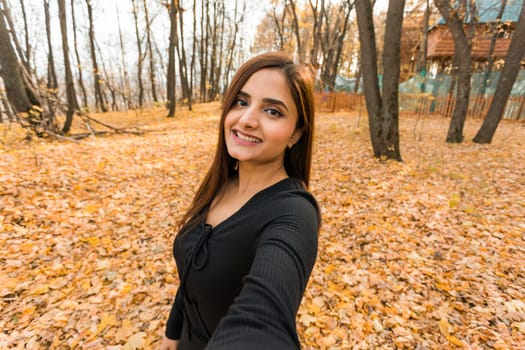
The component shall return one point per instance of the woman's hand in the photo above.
(168, 344)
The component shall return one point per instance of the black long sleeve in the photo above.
(263, 315)
(175, 320)
(243, 280)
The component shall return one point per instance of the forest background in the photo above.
(421, 253)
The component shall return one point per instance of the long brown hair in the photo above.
(297, 160)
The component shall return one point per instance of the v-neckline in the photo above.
(245, 205)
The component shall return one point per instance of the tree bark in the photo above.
(100, 103)
(508, 76)
(139, 50)
(300, 50)
(279, 21)
(463, 55)
(214, 55)
(333, 41)
(494, 27)
(9, 71)
(171, 100)
(6, 108)
(125, 77)
(26, 36)
(220, 39)
(391, 72)
(181, 54)
(193, 52)
(365, 24)
(77, 56)
(382, 112)
(150, 54)
(72, 104)
(52, 82)
(10, 27)
(317, 31)
(238, 18)
(203, 49)
(421, 65)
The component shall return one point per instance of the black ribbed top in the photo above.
(243, 280)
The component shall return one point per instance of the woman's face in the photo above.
(262, 121)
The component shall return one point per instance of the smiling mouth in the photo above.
(246, 138)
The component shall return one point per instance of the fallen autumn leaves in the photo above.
(427, 253)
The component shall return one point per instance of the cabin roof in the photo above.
(488, 10)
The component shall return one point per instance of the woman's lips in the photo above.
(245, 138)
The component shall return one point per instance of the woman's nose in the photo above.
(249, 118)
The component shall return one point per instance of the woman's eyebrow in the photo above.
(267, 100)
(273, 101)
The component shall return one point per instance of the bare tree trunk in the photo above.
(150, 52)
(365, 24)
(124, 66)
(100, 104)
(422, 54)
(26, 34)
(340, 44)
(52, 82)
(171, 99)
(508, 76)
(300, 50)
(108, 81)
(333, 41)
(181, 54)
(238, 18)
(72, 104)
(9, 70)
(213, 58)
(463, 55)
(139, 50)
(193, 49)
(204, 43)
(317, 31)
(391, 72)
(11, 28)
(357, 78)
(382, 112)
(220, 55)
(77, 55)
(279, 24)
(7, 107)
(494, 29)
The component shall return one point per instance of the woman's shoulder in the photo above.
(292, 194)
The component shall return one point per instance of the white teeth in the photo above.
(246, 138)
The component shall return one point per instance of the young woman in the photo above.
(248, 243)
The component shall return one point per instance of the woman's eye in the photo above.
(240, 103)
(274, 112)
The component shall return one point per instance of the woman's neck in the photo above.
(252, 179)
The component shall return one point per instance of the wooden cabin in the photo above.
(441, 44)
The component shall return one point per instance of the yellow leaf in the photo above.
(329, 269)
(94, 241)
(43, 289)
(108, 320)
(136, 341)
(443, 327)
(307, 320)
(455, 340)
(454, 201)
(125, 331)
(91, 208)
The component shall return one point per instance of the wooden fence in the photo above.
(423, 104)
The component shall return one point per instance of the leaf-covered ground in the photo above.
(423, 254)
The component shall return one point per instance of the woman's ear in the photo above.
(295, 137)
